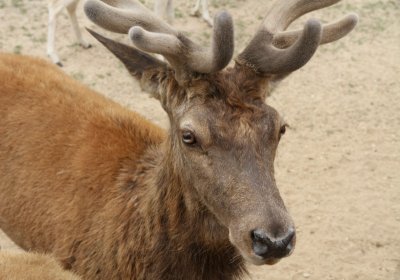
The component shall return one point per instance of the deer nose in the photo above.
(265, 247)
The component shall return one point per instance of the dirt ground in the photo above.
(338, 167)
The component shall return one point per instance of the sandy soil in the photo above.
(338, 168)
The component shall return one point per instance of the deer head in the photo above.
(223, 136)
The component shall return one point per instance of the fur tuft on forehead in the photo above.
(238, 89)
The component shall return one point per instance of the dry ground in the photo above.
(338, 168)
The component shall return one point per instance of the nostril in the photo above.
(260, 249)
(265, 247)
(288, 238)
(260, 242)
(286, 244)
(258, 235)
(290, 241)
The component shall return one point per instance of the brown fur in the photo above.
(90, 181)
(31, 266)
(115, 197)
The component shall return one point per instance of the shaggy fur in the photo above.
(115, 197)
(92, 182)
(31, 266)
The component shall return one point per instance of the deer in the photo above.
(162, 8)
(165, 9)
(15, 265)
(55, 7)
(114, 196)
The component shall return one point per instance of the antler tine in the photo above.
(120, 15)
(330, 32)
(179, 50)
(284, 12)
(150, 34)
(263, 58)
(263, 55)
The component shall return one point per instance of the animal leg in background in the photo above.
(165, 9)
(55, 8)
(204, 13)
(71, 8)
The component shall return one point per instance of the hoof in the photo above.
(59, 64)
(86, 46)
(195, 13)
(209, 22)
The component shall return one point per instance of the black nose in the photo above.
(266, 247)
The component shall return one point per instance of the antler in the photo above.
(273, 50)
(151, 34)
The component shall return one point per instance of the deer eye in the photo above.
(188, 137)
(283, 129)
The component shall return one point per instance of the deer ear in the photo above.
(274, 81)
(144, 67)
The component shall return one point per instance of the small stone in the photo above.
(306, 275)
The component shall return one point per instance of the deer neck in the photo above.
(181, 236)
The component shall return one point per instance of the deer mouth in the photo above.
(272, 261)
(257, 260)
